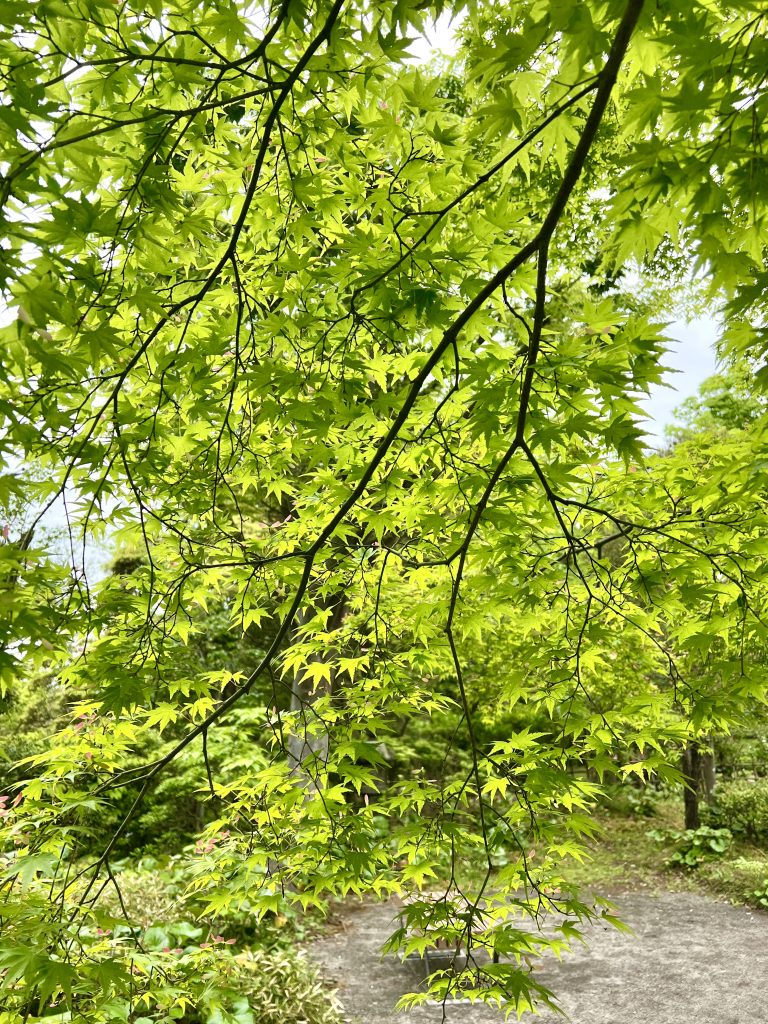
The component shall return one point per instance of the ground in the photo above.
(692, 959)
(695, 958)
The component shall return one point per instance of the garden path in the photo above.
(691, 959)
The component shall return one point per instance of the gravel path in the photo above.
(692, 961)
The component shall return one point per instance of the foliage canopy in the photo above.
(355, 346)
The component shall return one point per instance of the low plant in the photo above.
(275, 987)
(692, 847)
(742, 879)
(760, 895)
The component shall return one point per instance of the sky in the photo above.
(691, 358)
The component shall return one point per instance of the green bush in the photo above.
(742, 807)
(280, 987)
(250, 974)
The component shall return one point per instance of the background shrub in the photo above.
(250, 974)
(742, 807)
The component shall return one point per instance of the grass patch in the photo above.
(742, 878)
(626, 858)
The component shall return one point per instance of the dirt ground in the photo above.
(691, 961)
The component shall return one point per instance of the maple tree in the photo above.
(357, 348)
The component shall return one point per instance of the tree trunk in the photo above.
(708, 774)
(691, 766)
(306, 747)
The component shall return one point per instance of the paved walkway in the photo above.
(691, 961)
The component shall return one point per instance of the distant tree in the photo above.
(726, 415)
(728, 400)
